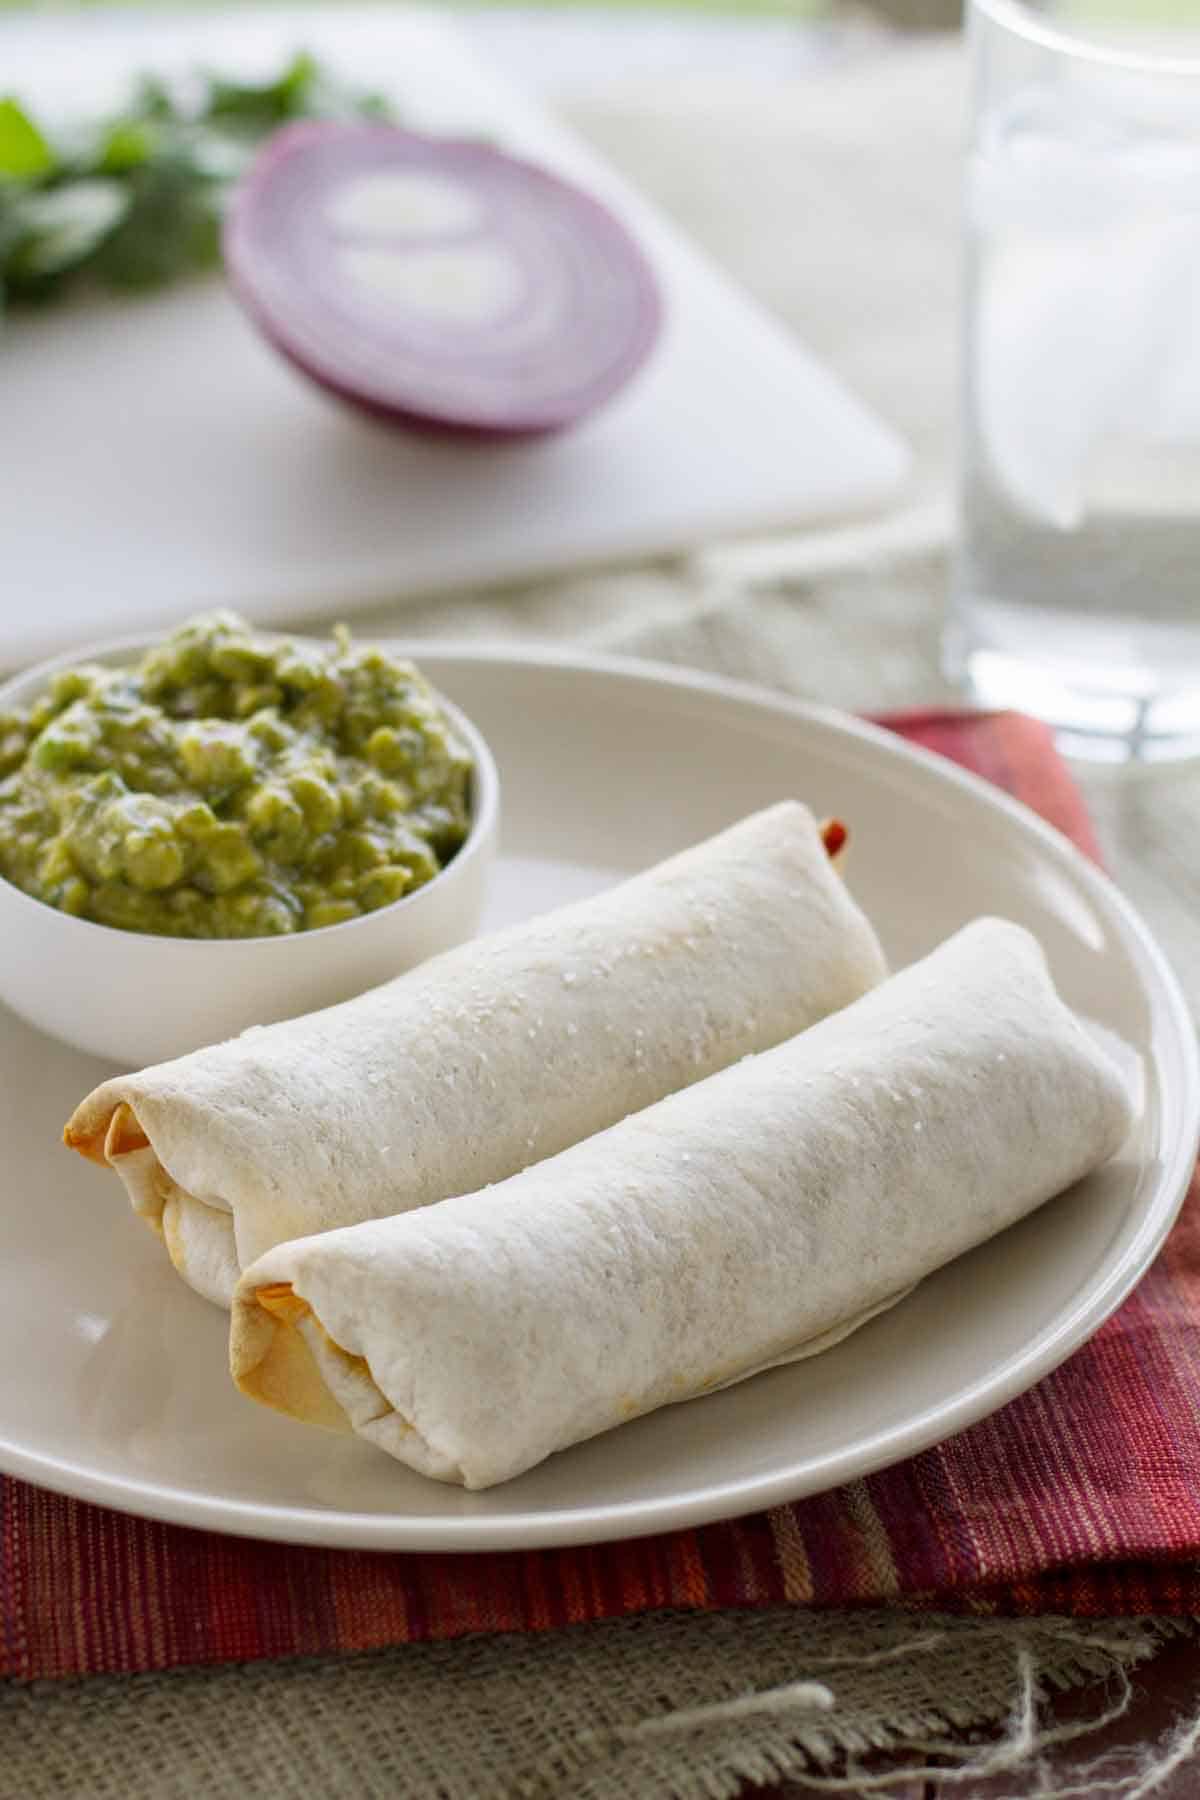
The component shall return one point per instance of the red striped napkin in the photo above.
(1082, 1496)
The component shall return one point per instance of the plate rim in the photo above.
(1053, 1344)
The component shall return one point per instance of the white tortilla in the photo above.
(489, 1057)
(743, 1222)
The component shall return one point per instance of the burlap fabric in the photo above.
(668, 1704)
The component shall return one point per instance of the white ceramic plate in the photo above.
(113, 1381)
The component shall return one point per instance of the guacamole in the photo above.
(227, 785)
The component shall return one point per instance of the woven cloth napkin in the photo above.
(1081, 1497)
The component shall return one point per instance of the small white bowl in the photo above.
(134, 998)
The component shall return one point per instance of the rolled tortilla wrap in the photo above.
(488, 1057)
(744, 1222)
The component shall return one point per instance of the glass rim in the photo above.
(1023, 22)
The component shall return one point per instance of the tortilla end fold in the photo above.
(87, 1143)
(124, 1134)
(117, 1134)
(281, 1300)
(168, 1231)
(270, 1361)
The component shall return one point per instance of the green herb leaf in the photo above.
(170, 226)
(24, 152)
(258, 108)
(136, 200)
(60, 227)
(127, 144)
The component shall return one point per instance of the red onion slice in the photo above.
(439, 282)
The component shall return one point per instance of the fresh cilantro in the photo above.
(24, 153)
(135, 201)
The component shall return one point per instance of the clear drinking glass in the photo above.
(1076, 588)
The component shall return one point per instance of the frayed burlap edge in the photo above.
(687, 1706)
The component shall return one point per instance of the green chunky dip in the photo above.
(229, 786)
